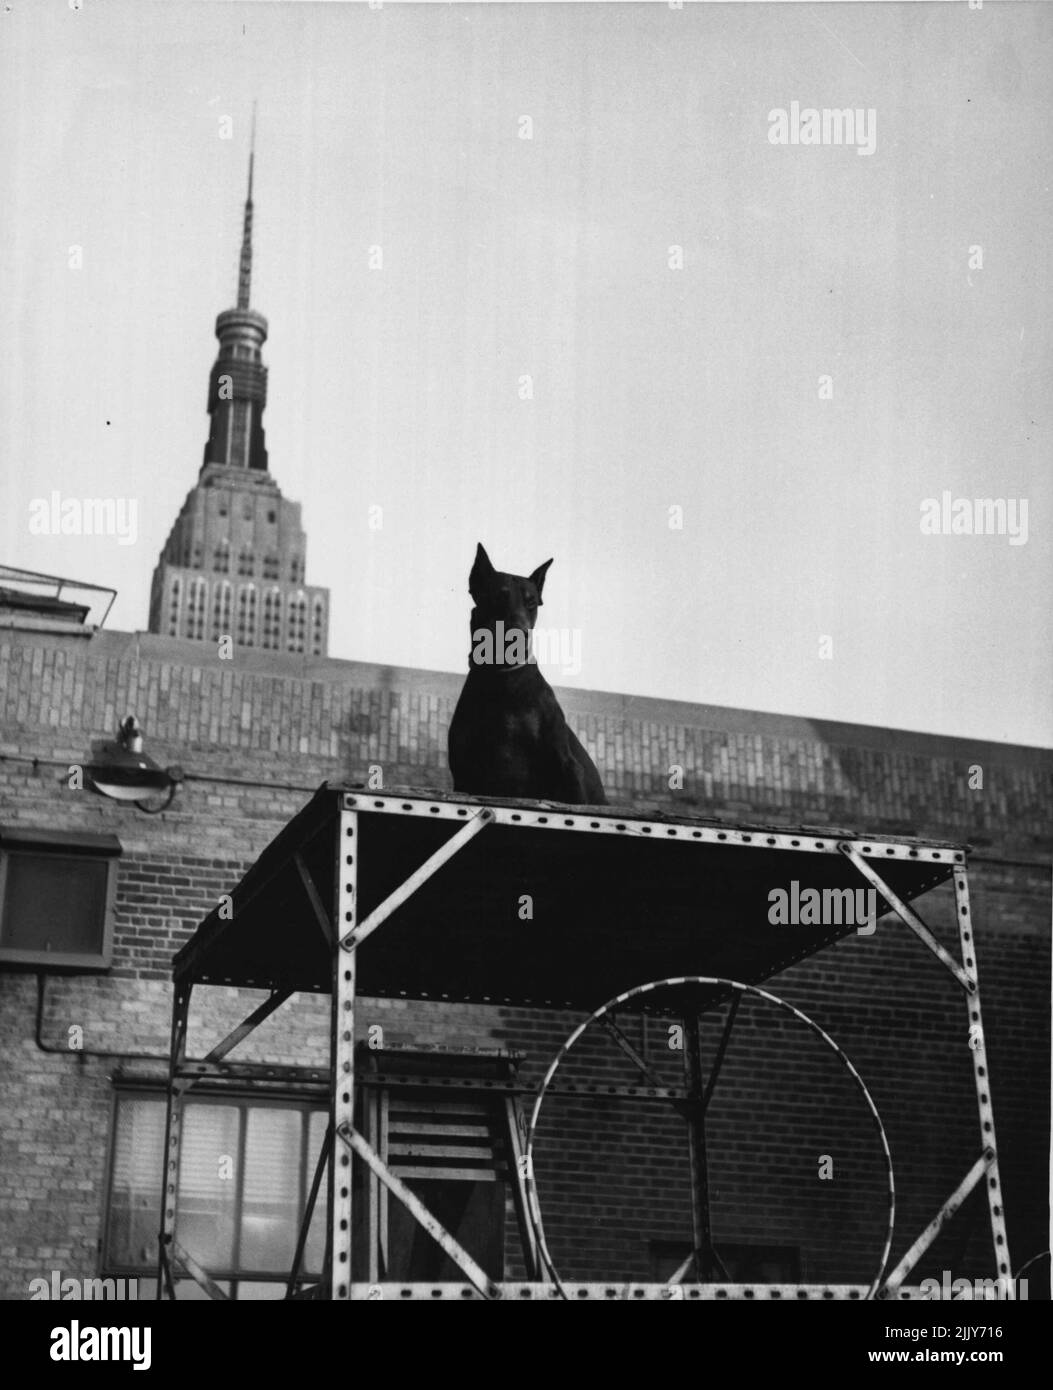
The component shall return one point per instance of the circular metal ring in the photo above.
(533, 1202)
(1042, 1254)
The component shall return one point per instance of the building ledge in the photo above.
(64, 626)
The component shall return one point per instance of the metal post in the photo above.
(342, 1055)
(982, 1077)
(383, 1116)
(173, 1136)
(371, 1125)
(696, 1141)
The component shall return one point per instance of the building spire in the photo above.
(245, 264)
(237, 389)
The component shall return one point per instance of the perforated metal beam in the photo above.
(342, 1055)
(173, 1137)
(977, 1044)
(614, 1292)
(606, 822)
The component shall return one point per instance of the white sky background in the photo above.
(549, 257)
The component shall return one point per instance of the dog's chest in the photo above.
(502, 722)
(508, 724)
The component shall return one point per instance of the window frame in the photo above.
(66, 845)
(145, 1089)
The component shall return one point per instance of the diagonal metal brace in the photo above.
(936, 1225)
(312, 1198)
(417, 879)
(199, 1275)
(908, 915)
(317, 907)
(420, 1212)
(626, 1046)
(695, 1258)
(236, 1035)
(722, 1047)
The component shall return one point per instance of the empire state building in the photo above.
(234, 565)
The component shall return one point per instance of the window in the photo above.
(173, 606)
(272, 618)
(245, 1172)
(297, 619)
(247, 615)
(56, 898)
(318, 635)
(221, 557)
(246, 565)
(197, 602)
(221, 610)
(271, 566)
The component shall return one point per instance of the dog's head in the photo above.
(512, 598)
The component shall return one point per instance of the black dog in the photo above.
(508, 736)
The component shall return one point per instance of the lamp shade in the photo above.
(122, 771)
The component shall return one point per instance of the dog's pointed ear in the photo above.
(538, 577)
(482, 571)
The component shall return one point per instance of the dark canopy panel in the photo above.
(529, 915)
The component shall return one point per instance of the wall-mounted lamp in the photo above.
(122, 771)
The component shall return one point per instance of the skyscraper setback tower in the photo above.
(234, 563)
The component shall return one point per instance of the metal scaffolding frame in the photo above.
(336, 878)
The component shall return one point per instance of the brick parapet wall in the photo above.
(296, 722)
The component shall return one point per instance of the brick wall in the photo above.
(255, 736)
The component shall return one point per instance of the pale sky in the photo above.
(549, 258)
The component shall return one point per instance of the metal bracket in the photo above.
(417, 879)
(936, 1225)
(908, 915)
